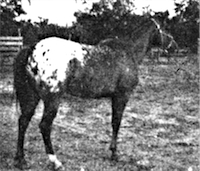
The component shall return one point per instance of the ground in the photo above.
(159, 130)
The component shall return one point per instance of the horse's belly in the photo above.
(91, 85)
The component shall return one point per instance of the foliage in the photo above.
(31, 32)
(159, 129)
(13, 6)
(106, 19)
(9, 9)
(7, 24)
(184, 26)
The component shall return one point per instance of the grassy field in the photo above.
(159, 131)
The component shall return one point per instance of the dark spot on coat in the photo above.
(43, 53)
(74, 64)
(35, 70)
(43, 72)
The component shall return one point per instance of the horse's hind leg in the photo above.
(118, 106)
(28, 101)
(50, 110)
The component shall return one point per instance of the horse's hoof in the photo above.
(21, 164)
(114, 157)
(60, 168)
(53, 167)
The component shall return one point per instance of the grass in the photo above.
(159, 130)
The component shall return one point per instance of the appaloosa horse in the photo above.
(55, 66)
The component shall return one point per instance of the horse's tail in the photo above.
(16, 101)
(19, 72)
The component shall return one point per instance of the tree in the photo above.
(31, 32)
(184, 26)
(9, 9)
(105, 19)
(13, 5)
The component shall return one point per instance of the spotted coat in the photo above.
(49, 62)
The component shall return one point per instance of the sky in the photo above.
(61, 12)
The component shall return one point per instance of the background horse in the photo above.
(162, 43)
(169, 45)
(55, 66)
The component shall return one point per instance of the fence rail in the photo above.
(9, 47)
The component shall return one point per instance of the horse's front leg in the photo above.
(50, 111)
(118, 106)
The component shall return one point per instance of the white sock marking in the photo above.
(54, 160)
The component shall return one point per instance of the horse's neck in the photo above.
(143, 40)
(141, 44)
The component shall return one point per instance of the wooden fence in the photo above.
(9, 47)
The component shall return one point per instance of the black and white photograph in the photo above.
(99, 85)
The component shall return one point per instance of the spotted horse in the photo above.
(55, 66)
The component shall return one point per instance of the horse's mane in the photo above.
(141, 27)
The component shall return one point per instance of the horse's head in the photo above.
(149, 29)
(145, 26)
(136, 44)
(156, 23)
(141, 35)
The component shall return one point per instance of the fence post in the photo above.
(19, 32)
(9, 47)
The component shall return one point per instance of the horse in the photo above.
(156, 52)
(162, 43)
(169, 44)
(55, 66)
